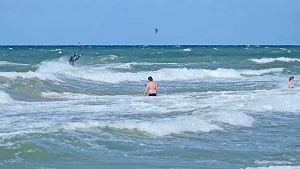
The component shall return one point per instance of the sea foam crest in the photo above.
(5, 98)
(261, 72)
(28, 75)
(186, 50)
(168, 74)
(11, 63)
(259, 101)
(186, 74)
(55, 50)
(67, 95)
(277, 100)
(45, 71)
(60, 66)
(234, 118)
(109, 58)
(157, 128)
(270, 60)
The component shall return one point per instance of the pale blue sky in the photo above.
(108, 22)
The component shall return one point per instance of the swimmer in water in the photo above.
(151, 87)
(291, 80)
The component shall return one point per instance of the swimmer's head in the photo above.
(150, 78)
(291, 78)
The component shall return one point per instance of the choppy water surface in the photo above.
(217, 107)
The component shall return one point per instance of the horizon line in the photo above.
(151, 45)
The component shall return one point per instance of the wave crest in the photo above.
(279, 59)
(5, 98)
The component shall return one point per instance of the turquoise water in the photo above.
(217, 107)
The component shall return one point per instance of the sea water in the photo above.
(221, 107)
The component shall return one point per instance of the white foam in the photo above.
(110, 57)
(47, 70)
(234, 118)
(163, 127)
(163, 74)
(186, 74)
(261, 72)
(9, 135)
(7, 144)
(11, 63)
(282, 48)
(186, 50)
(200, 119)
(145, 63)
(55, 66)
(50, 69)
(67, 95)
(270, 60)
(5, 98)
(232, 103)
(275, 101)
(29, 75)
(276, 167)
(55, 50)
(122, 65)
(273, 162)
(205, 111)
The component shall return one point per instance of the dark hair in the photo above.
(291, 78)
(150, 78)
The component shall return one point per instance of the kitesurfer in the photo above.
(73, 59)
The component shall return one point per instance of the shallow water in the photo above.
(217, 107)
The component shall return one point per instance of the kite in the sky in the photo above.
(156, 30)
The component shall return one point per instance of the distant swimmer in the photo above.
(151, 87)
(291, 80)
(156, 30)
(73, 59)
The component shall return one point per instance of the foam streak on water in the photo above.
(217, 107)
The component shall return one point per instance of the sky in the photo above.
(133, 22)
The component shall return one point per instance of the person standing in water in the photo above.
(73, 59)
(151, 87)
(291, 80)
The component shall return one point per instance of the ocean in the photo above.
(217, 107)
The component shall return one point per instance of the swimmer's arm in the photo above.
(289, 85)
(147, 87)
